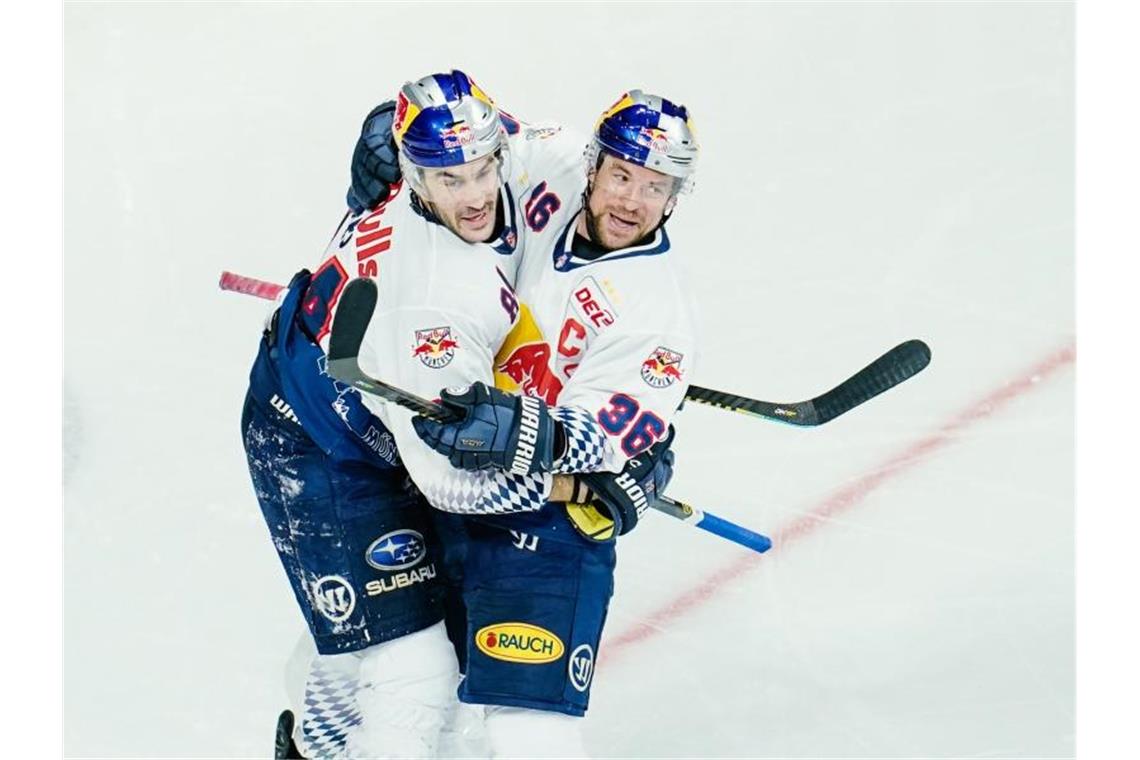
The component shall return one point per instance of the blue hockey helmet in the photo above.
(649, 131)
(445, 120)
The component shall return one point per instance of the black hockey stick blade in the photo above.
(901, 363)
(353, 313)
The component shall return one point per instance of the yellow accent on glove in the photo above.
(594, 524)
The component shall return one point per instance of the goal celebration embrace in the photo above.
(466, 404)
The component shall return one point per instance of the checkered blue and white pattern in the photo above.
(489, 492)
(330, 714)
(585, 441)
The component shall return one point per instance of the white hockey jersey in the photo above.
(612, 337)
(444, 308)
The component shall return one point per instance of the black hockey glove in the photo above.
(374, 164)
(606, 505)
(497, 429)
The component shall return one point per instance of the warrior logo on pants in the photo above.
(334, 598)
(581, 667)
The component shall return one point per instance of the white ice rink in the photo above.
(870, 173)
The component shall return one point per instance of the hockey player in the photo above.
(356, 543)
(604, 342)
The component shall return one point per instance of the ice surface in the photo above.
(870, 173)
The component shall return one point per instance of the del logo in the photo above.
(334, 598)
(662, 368)
(435, 347)
(397, 550)
(519, 642)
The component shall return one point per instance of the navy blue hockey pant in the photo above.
(357, 546)
(536, 606)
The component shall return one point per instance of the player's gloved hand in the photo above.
(497, 429)
(606, 505)
(374, 164)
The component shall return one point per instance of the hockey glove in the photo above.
(606, 505)
(497, 429)
(374, 164)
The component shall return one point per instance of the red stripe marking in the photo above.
(843, 499)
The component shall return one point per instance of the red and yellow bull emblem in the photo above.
(457, 135)
(519, 642)
(406, 112)
(662, 368)
(435, 347)
(653, 138)
(522, 364)
(625, 101)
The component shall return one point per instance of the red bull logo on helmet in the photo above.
(435, 347)
(662, 368)
(653, 138)
(457, 135)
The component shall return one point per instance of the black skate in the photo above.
(283, 745)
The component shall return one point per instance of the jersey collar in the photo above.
(565, 260)
(506, 241)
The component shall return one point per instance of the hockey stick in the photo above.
(354, 311)
(902, 362)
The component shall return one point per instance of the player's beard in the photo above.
(593, 228)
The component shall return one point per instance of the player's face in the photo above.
(466, 197)
(626, 202)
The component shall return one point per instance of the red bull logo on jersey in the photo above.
(519, 642)
(528, 365)
(662, 368)
(435, 347)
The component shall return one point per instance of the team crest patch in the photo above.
(435, 347)
(662, 368)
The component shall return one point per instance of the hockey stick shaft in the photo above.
(354, 312)
(901, 363)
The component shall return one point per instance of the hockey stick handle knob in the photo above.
(718, 526)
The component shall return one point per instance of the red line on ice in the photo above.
(844, 498)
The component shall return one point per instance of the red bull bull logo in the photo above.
(662, 368)
(400, 118)
(457, 136)
(528, 365)
(655, 139)
(435, 347)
